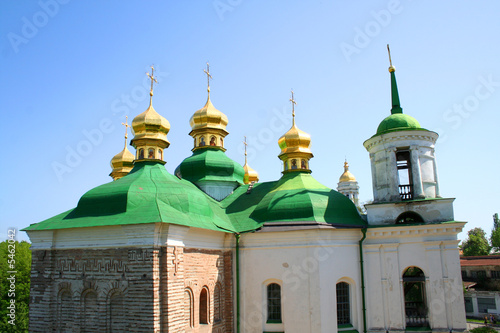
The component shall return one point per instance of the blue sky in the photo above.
(71, 70)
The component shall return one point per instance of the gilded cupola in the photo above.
(123, 162)
(150, 131)
(347, 176)
(295, 147)
(251, 176)
(208, 125)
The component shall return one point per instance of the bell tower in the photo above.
(404, 171)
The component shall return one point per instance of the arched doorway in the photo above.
(416, 310)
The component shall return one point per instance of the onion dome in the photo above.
(150, 131)
(212, 171)
(295, 147)
(347, 176)
(397, 121)
(251, 176)
(123, 162)
(208, 125)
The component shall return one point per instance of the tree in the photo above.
(476, 244)
(20, 253)
(495, 233)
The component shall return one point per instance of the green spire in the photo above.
(396, 106)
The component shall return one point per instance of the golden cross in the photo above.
(126, 129)
(293, 105)
(246, 144)
(152, 78)
(391, 68)
(207, 71)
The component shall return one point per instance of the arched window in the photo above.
(151, 153)
(202, 141)
(212, 141)
(141, 154)
(274, 303)
(217, 303)
(90, 320)
(188, 308)
(415, 298)
(204, 306)
(409, 217)
(116, 312)
(160, 154)
(343, 304)
(64, 311)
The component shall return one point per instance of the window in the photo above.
(64, 311)
(464, 275)
(90, 312)
(188, 308)
(495, 274)
(141, 154)
(481, 275)
(204, 306)
(217, 303)
(409, 217)
(415, 298)
(404, 174)
(274, 303)
(160, 154)
(343, 304)
(484, 304)
(468, 304)
(116, 312)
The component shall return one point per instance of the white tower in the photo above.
(404, 172)
(348, 185)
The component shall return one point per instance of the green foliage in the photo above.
(495, 233)
(476, 244)
(483, 330)
(22, 257)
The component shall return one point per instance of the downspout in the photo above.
(362, 277)
(237, 236)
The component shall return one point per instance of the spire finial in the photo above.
(207, 71)
(126, 129)
(246, 144)
(292, 100)
(391, 67)
(153, 80)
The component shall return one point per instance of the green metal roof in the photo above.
(210, 164)
(149, 194)
(398, 122)
(299, 197)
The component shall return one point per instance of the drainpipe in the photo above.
(362, 277)
(237, 236)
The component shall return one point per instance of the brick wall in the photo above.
(128, 290)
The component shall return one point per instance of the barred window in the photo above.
(274, 303)
(495, 274)
(343, 304)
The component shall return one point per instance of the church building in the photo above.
(211, 249)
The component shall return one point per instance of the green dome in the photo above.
(298, 197)
(398, 122)
(148, 194)
(210, 164)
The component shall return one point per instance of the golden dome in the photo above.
(347, 176)
(295, 141)
(208, 117)
(150, 125)
(121, 164)
(250, 174)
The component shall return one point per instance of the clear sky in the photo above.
(71, 70)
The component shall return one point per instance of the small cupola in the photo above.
(208, 125)
(150, 131)
(295, 147)
(251, 176)
(123, 162)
